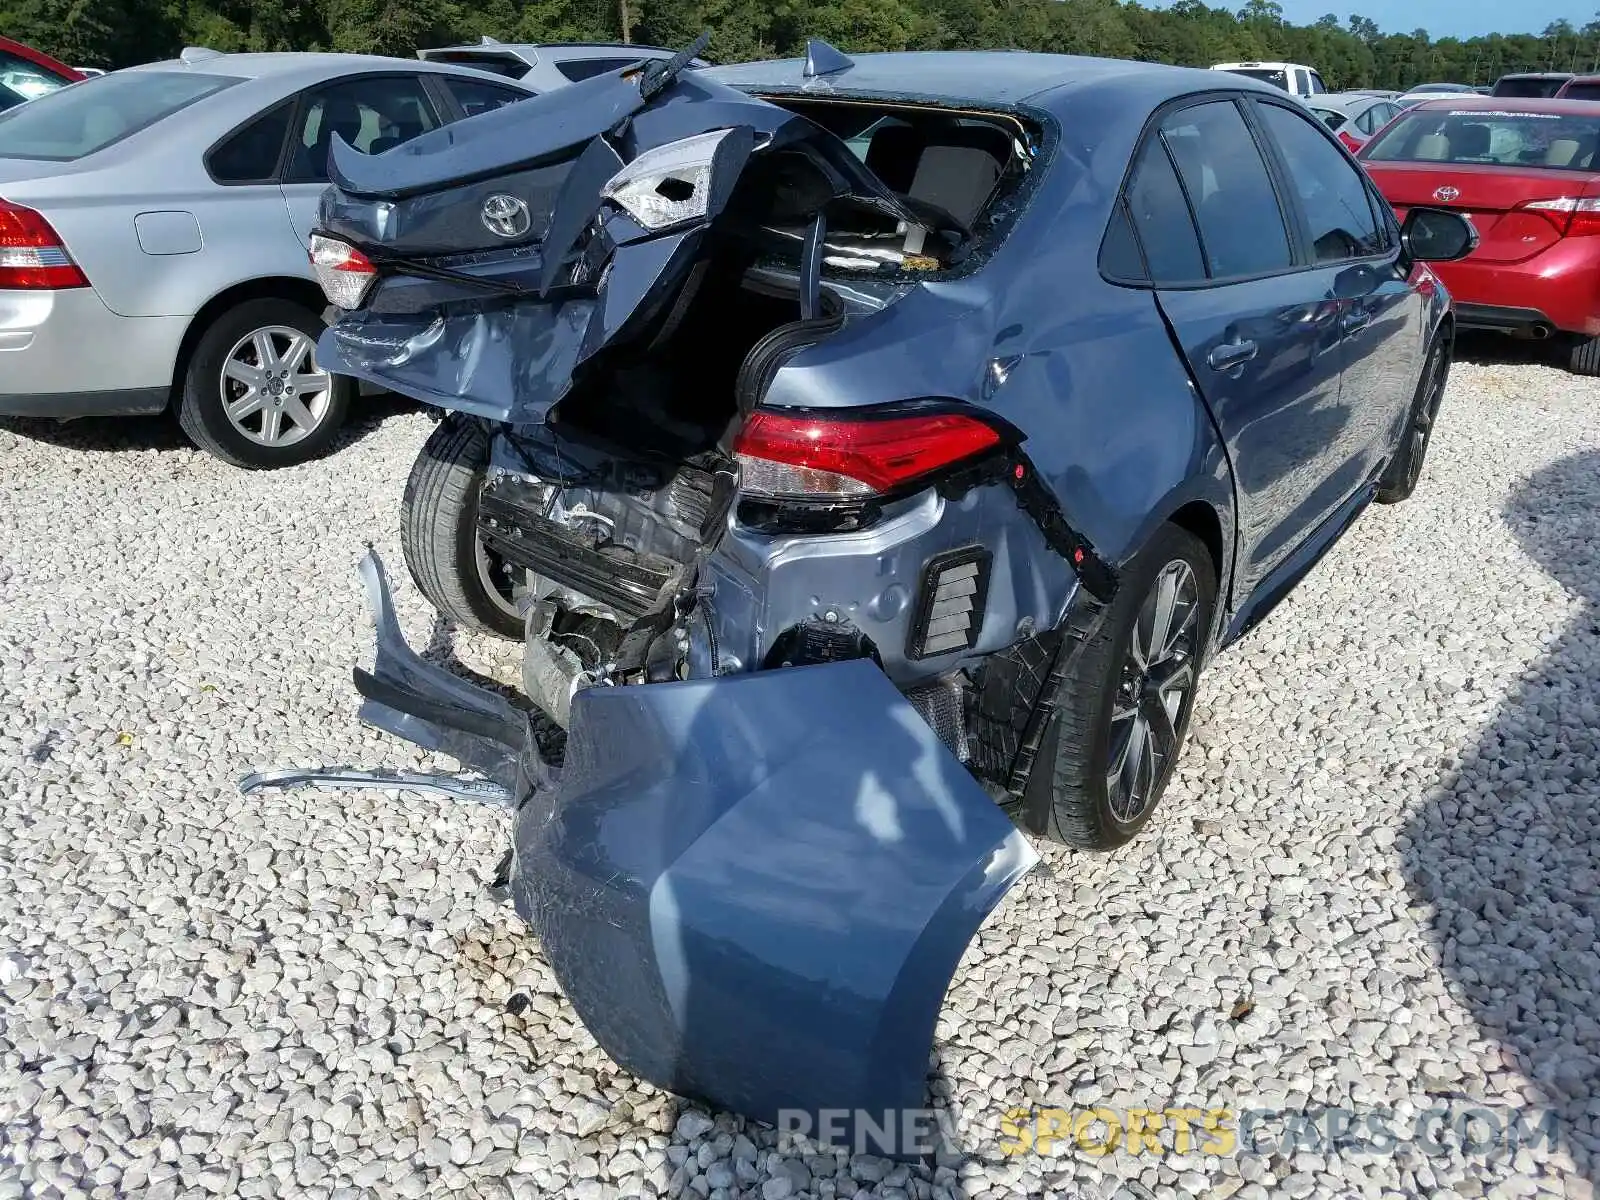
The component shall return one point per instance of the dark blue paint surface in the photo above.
(754, 890)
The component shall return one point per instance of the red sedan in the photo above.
(1527, 174)
(27, 73)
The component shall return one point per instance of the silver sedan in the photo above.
(153, 235)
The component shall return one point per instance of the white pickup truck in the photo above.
(1295, 78)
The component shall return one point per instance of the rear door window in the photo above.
(1589, 90)
(1162, 221)
(1332, 193)
(1230, 189)
(372, 113)
(252, 154)
(80, 120)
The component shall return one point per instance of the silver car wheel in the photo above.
(1157, 677)
(272, 390)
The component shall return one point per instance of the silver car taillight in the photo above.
(346, 274)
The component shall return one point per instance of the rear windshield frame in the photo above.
(120, 79)
(1396, 133)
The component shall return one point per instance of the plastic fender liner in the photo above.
(755, 889)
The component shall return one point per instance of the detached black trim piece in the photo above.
(1099, 577)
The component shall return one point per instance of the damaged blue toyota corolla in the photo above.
(991, 393)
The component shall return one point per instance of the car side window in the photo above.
(1318, 88)
(1332, 193)
(374, 114)
(1161, 219)
(475, 96)
(1230, 190)
(1302, 85)
(251, 154)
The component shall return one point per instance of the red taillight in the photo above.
(827, 458)
(343, 271)
(1351, 143)
(1573, 216)
(32, 255)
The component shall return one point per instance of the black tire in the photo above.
(1584, 358)
(202, 401)
(439, 530)
(1068, 798)
(1404, 471)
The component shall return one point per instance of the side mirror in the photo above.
(1437, 235)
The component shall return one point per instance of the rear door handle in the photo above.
(1231, 354)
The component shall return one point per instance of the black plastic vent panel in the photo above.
(950, 603)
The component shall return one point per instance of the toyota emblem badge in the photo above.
(506, 216)
(1444, 194)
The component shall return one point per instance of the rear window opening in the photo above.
(1552, 141)
(1589, 89)
(955, 169)
(87, 117)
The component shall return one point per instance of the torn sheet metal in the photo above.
(513, 247)
(755, 889)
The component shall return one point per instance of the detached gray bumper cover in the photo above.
(755, 889)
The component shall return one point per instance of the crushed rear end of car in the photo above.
(727, 372)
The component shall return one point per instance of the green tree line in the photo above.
(1350, 53)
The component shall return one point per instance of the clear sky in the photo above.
(1447, 18)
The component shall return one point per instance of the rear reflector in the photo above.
(343, 271)
(826, 458)
(1573, 216)
(950, 603)
(32, 255)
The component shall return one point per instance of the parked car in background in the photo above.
(544, 66)
(1580, 87)
(31, 73)
(1526, 173)
(1532, 85)
(994, 445)
(153, 227)
(89, 72)
(1435, 91)
(1295, 78)
(1353, 116)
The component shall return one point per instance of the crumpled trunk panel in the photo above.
(504, 267)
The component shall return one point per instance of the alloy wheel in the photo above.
(1158, 676)
(273, 392)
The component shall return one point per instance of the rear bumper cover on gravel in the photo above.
(753, 889)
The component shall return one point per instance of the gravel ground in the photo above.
(1373, 885)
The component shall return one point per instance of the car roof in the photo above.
(1537, 75)
(1344, 100)
(991, 77)
(1228, 66)
(531, 52)
(290, 65)
(1509, 104)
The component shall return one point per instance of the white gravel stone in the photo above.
(1374, 880)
